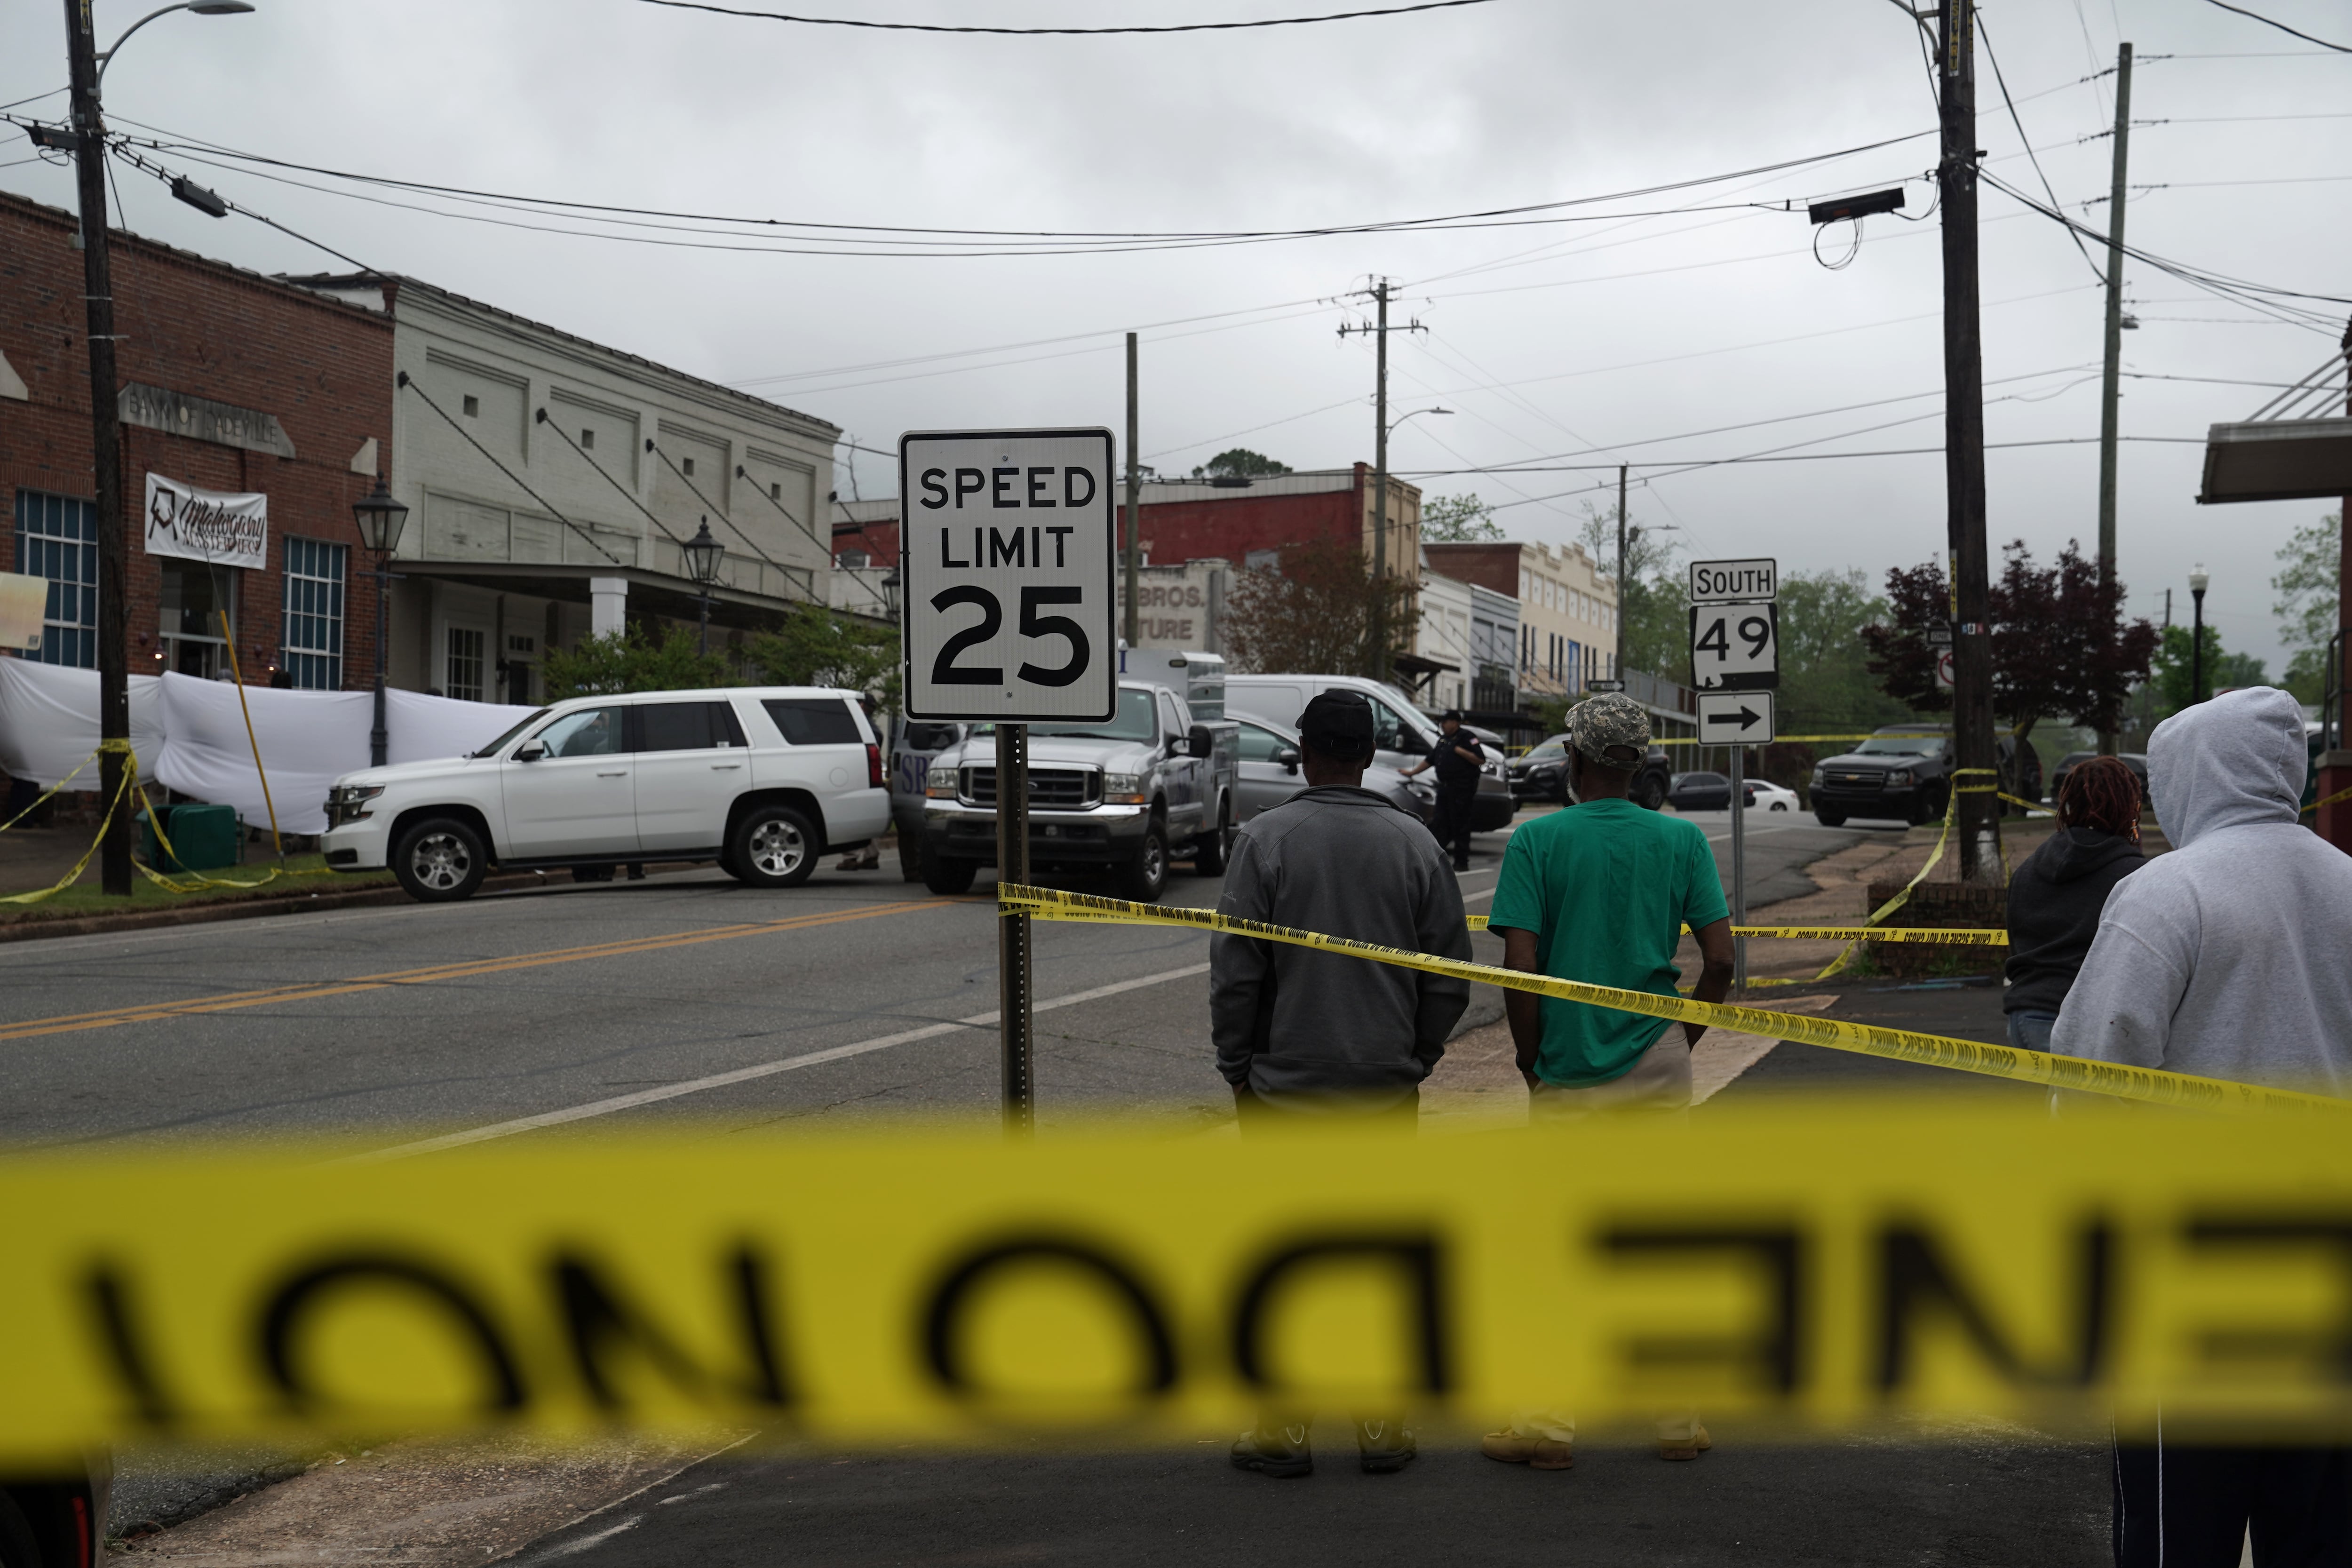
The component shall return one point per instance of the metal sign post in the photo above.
(1013, 968)
(1009, 619)
(1736, 651)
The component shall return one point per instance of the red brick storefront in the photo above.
(234, 383)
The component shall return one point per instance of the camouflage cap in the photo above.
(1610, 722)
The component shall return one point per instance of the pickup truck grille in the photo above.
(1050, 789)
(1872, 780)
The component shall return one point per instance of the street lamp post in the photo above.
(703, 554)
(86, 66)
(381, 519)
(2199, 578)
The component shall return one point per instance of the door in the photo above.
(577, 798)
(691, 763)
(1183, 773)
(1262, 781)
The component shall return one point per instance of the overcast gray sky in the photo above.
(1624, 337)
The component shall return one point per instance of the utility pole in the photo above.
(97, 287)
(1134, 510)
(2111, 386)
(1381, 291)
(1617, 655)
(1964, 481)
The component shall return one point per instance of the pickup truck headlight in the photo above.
(1820, 775)
(343, 803)
(1898, 775)
(940, 783)
(1126, 789)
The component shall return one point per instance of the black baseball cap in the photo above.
(1339, 724)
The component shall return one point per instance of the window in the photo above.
(1391, 733)
(56, 538)
(313, 652)
(587, 440)
(687, 467)
(590, 732)
(1171, 717)
(463, 677)
(687, 726)
(1259, 745)
(814, 721)
(473, 406)
(196, 616)
(776, 492)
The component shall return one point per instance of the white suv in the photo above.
(762, 779)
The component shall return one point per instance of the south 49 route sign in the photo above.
(1008, 542)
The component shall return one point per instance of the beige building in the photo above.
(1567, 612)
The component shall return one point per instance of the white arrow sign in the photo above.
(1734, 718)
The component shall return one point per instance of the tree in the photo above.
(815, 646)
(2172, 673)
(2060, 645)
(631, 661)
(1458, 520)
(1314, 614)
(2309, 607)
(1657, 595)
(1825, 682)
(1240, 463)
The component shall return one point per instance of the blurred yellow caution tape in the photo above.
(1805, 1267)
(2145, 1084)
(2325, 800)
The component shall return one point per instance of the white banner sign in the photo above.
(204, 525)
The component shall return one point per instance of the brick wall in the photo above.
(206, 329)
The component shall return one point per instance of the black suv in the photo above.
(1541, 773)
(1904, 771)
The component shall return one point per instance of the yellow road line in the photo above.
(153, 1012)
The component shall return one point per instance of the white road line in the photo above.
(620, 1102)
(1481, 893)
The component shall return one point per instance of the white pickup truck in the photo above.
(763, 780)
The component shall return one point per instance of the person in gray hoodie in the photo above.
(1303, 1035)
(2226, 958)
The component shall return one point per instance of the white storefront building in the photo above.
(553, 482)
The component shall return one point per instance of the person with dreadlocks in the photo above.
(2057, 896)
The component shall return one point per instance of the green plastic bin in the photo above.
(205, 837)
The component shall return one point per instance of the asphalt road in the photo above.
(553, 1013)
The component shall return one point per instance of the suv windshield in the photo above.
(1133, 721)
(1901, 746)
(511, 734)
(1545, 752)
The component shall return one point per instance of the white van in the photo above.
(762, 779)
(1402, 735)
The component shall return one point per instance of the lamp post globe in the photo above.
(2198, 581)
(381, 519)
(703, 554)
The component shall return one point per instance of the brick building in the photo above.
(235, 384)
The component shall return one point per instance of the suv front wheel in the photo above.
(772, 847)
(440, 860)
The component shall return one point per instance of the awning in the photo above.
(2277, 460)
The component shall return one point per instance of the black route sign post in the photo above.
(1007, 544)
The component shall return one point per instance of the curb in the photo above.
(233, 910)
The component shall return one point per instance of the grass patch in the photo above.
(85, 897)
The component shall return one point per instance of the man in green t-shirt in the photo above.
(1601, 893)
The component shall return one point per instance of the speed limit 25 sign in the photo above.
(1008, 541)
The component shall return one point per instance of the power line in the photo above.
(2282, 26)
(1060, 32)
(2002, 82)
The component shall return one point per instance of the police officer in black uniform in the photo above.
(1457, 757)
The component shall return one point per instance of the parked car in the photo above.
(763, 780)
(1903, 771)
(1403, 735)
(1270, 774)
(2136, 761)
(1699, 790)
(1765, 795)
(1155, 781)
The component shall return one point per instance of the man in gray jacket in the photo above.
(1305, 1035)
(2226, 958)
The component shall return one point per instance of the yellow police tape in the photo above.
(2150, 1085)
(1807, 1265)
(1955, 936)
